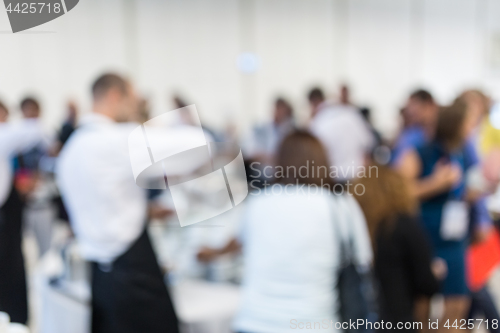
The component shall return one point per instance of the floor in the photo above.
(32, 252)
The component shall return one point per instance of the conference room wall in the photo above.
(395, 46)
(59, 60)
(199, 46)
(382, 48)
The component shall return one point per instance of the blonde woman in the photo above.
(402, 262)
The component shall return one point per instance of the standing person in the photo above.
(29, 178)
(28, 162)
(478, 104)
(444, 209)
(68, 127)
(345, 95)
(187, 119)
(266, 139)
(107, 211)
(343, 132)
(420, 116)
(403, 261)
(290, 242)
(486, 137)
(15, 138)
(422, 113)
(367, 116)
(260, 148)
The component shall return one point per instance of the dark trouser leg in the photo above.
(102, 301)
(132, 296)
(13, 293)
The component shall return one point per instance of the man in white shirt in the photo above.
(107, 211)
(14, 138)
(344, 134)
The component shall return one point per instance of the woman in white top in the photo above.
(290, 244)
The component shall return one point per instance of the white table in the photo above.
(202, 307)
(205, 307)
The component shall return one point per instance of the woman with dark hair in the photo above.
(402, 262)
(445, 210)
(290, 237)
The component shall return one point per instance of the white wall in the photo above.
(59, 60)
(382, 48)
(397, 45)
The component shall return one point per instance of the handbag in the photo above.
(352, 286)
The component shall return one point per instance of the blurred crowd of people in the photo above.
(317, 258)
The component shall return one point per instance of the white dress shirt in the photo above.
(265, 139)
(107, 209)
(345, 136)
(15, 138)
(292, 256)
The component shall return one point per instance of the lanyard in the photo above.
(457, 192)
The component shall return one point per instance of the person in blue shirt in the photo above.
(444, 199)
(419, 116)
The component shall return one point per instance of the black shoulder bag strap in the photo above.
(353, 304)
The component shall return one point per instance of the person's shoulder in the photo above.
(318, 121)
(349, 116)
(469, 147)
(262, 127)
(412, 135)
(72, 146)
(413, 130)
(426, 148)
(344, 201)
(332, 117)
(81, 143)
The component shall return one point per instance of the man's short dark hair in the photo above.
(106, 82)
(423, 96)
(316, 94)
(29, 101)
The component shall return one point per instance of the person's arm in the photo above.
(491, 166)
(207, 254)
(158, 211)
(234, 245)
(481, 222)
(441, 180)
(418, 252)
(18, 137)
